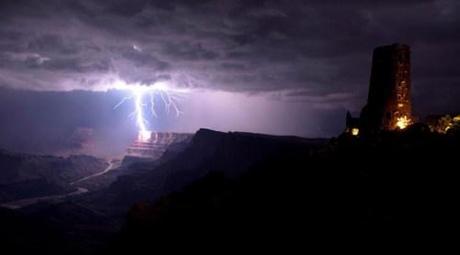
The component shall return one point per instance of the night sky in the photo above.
(279, 67)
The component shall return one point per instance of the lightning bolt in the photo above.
(145, 95)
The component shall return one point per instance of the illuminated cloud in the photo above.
(227, 45)
(314, 56)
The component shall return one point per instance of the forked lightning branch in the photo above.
(145, 98)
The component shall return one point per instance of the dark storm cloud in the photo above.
(322, 48)
(139, 59)
(187, 51)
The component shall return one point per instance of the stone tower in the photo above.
(389, 104)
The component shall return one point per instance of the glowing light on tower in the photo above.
(403, 122)
(145, 95)
(355, 131)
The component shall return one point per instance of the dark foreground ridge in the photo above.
(208, 151)
(237, 189)
(392, 190)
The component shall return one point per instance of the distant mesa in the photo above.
(389, 104)
(154, 144)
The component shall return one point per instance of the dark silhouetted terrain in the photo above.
(232, 153)
(24, 176)
(383, 191)
(231, 190)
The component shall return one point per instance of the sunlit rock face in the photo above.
(152, 144)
